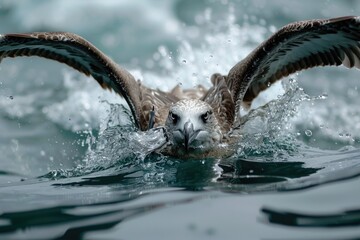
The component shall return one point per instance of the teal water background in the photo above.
(73, 167)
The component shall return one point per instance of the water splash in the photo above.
(223, 44)
(117, 145)
(268, 131)
(85, 105)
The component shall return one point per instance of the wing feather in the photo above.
(295, 47)
(79, 54)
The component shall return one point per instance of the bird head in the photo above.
(192, 126)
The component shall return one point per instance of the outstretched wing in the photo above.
(78, 53)
(295, 47)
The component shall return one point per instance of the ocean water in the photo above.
(73, 166)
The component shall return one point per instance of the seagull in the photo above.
(197, 121)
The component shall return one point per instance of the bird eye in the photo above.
(205, 117)
(173, 117)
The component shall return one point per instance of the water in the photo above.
(74, 167)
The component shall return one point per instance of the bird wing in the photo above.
(295, 47)
(78, 53)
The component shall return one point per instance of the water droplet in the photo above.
(11, 97)
(308, 133)
(211, 56)
(292, 80)
(42, 153)
(321, 126)
(272, 29)
(183, 61)
(323, 96)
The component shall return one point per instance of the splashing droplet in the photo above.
(308, 133)
(323, 96)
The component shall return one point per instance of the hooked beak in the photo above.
(189, 134)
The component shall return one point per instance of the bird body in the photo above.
(199, 122)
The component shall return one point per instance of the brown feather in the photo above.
(220, 99)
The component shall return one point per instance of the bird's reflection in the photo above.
(255, 172)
